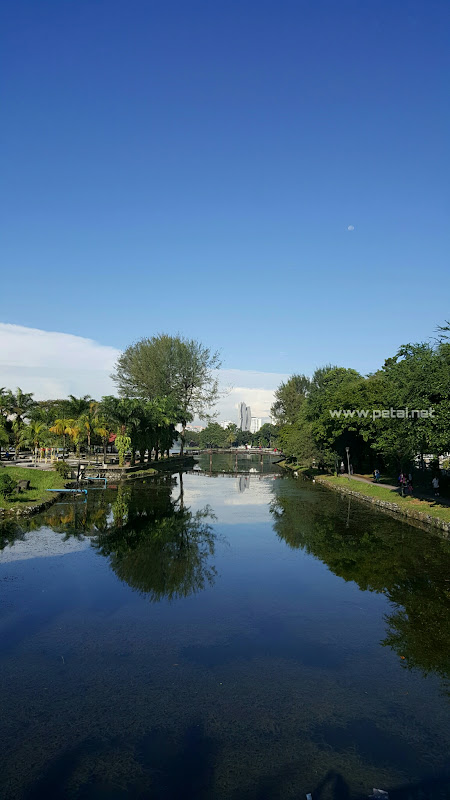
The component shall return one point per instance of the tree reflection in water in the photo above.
(160, 548)
(154, 543)
(411, 567)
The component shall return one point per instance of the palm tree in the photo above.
(123, 416)
(75, 431)
(35, 433)
(93, 424)
(4, 437)
(6, 401)
(21, 405)
(62, 428)
(76, 406)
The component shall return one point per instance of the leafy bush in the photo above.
(62, 468)
(7, 485)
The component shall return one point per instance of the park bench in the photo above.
(22, 486)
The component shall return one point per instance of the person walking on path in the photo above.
(435, 485)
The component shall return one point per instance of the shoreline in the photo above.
(387, 505)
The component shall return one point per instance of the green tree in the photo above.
(4, 435)
(213, 436)
(182, 369)
(7, 485)
(35, 433)
(61, 427)
(289, 398)
(6, 402)
(20, 408)
(93, 424)
(74, 407)
(123, 415)
(231, 434)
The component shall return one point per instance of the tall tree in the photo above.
(93, 424)
(76, 406)
(35, 434)
(182, 369)
(61, 427)
(289, 397)
(20, 408)
(4, 435)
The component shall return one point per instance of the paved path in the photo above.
(366, 480)
(418, 495)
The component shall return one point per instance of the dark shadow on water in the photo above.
(179, 770)
(53, 783)
(170, 769)
(373, 745)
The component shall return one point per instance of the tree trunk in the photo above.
(181, 491)
(182, 438)
(133, 457)
(156, 451)
(104, 450)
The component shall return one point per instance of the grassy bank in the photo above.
(410, 506)
(308, 472)
(40, 481)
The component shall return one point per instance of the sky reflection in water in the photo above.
(223, 637)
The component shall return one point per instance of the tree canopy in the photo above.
(180, 369)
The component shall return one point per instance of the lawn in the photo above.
(40, 480)
(431, 507)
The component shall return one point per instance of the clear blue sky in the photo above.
(194, 167)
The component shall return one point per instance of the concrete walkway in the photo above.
(366, 480)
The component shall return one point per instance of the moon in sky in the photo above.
(351, 228)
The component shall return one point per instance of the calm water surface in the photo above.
(223, 636)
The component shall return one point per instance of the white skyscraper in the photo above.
(255, 424)
(245, 417)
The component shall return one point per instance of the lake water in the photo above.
(231, 636)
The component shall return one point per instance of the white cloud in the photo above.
(254, 388)
(53, 364)
(351, 228)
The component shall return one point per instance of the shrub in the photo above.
(7, 485)
(62, 468)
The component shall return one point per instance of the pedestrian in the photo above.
(410, 486)
(351, 469)
(377, 475)
(435, 485)
(342, 468)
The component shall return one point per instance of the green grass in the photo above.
(308, 471)
(383, 478)
(40, 480)
(411, 504)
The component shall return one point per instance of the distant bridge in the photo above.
(255, 451)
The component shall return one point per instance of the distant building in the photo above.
(255, 424)
(245, 417)
(195, 428)
(224, 424)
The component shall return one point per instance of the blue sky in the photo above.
(194, 167)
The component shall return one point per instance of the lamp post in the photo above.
(347, 450)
